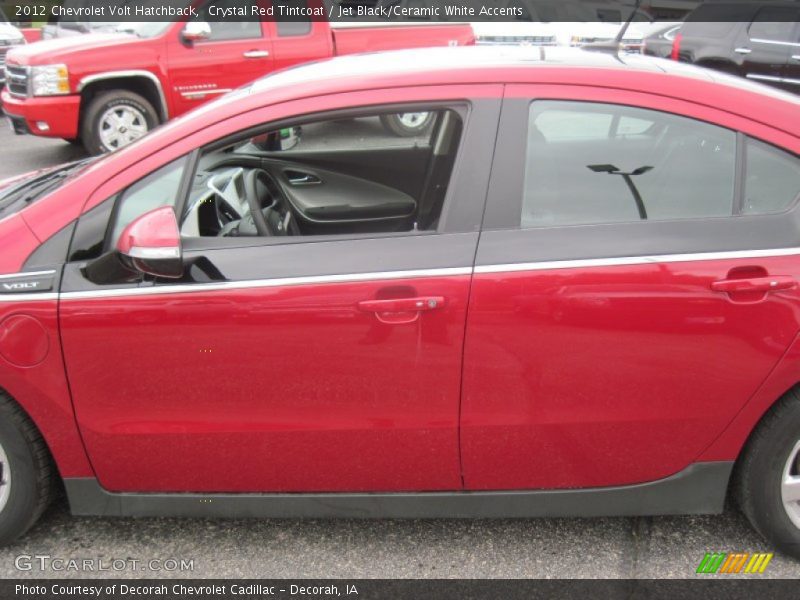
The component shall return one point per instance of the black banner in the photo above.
(371, 11)
(734, 588)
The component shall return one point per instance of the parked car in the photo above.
(757, 40)
(10, 36)
(577, 296)
(561, 23)
(105, 91)
(661, 40)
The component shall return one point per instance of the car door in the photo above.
(629, 295)
(233, 54)
(327, 364)
(765, 46)
(792, 73)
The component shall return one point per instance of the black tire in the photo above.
(395, 125)
(91, 118)
(760, 472)
(73, 141)
(31, 469)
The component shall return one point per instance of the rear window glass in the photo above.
(772, 179)
(600, 163)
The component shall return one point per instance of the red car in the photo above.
(577, 294)
(106, 90)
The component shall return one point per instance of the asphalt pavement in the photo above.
(537, 548)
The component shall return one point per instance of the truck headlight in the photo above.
(49, 80)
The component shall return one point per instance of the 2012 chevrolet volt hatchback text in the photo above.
(575, 294)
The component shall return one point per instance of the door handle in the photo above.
(755, 284)
(742, 50)
(402, 305)
(256, 54)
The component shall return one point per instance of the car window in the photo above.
(600, 163)
(774, 24)
(367, 173)
(160, 188)
(228, 29)
(288, 22)
(772, 179)
(561, 125)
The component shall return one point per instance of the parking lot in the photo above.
(619, 547)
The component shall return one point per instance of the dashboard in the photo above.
(255, 196)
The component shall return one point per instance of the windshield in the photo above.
(21, 194)
(152, 28)
(144, 30)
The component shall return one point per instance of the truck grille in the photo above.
(3, 51)
(17, 80)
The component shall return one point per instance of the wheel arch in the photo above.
(144, 83)
(782, 380)
(55, 421)
(4, 393)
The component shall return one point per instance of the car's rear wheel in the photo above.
(115, 119)
(408, 124)
(26, 472)
(768, 476)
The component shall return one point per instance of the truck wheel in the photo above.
(768, 478)
(115, 119)
(408, 124)
(26, 472)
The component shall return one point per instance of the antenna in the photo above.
(614, 45)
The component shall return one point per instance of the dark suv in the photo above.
(757, 40)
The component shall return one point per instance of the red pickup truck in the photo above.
(105, 91)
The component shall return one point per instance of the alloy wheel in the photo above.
(413, 120)
(790, 486)
(5, 479)
(121, 125)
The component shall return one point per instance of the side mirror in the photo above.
(196, 31)
(151, 244)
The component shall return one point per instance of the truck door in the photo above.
(210, 56)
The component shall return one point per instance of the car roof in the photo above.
(488, 64)
(468, 61)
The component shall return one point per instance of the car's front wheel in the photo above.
(26, 472)
(115, 119)
(768, 478)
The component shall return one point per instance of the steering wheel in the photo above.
(261, 200)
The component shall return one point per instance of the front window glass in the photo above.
(228, 29)
(160, 188)
(374, 172)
